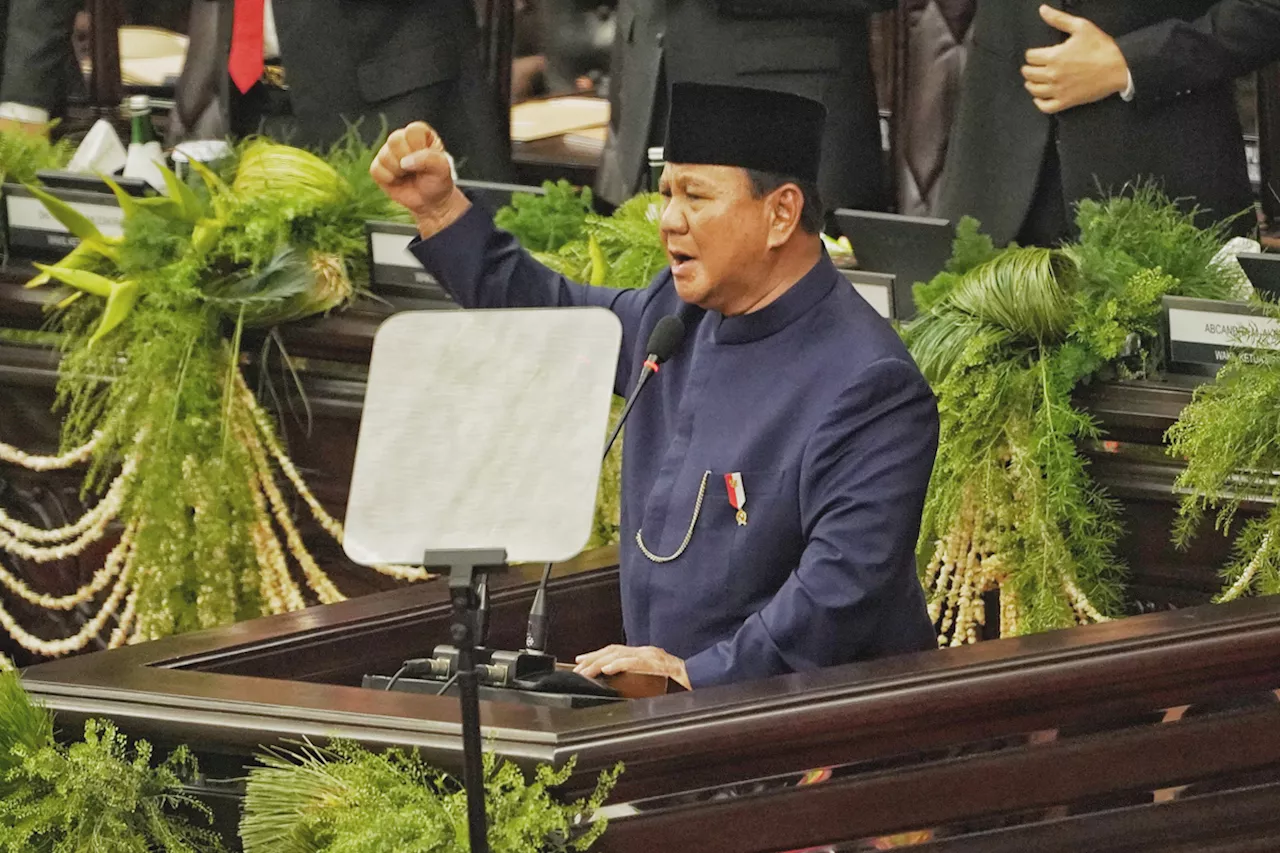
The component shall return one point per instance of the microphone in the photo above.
(664, 342)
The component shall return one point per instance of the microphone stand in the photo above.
(535, 638)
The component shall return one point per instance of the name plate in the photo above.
(393, 268)
(876, 288)
(1203, 333)
(33, 230)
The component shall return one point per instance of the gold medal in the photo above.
(737, 496)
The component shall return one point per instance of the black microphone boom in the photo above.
(664, 342)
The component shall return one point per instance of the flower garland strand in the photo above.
(94, 626)
(262, 426)
(93, 522)
(279, 592)
(32, 462)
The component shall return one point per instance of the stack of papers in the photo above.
(149, 56)
(585, 118)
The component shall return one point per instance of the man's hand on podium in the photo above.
(415, 171)
(643, 660)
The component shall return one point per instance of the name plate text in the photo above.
(392, 266)
(32, 230)
(1203, 333)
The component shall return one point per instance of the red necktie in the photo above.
(245, 63)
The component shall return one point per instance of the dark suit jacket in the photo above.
(35, 43)
(817, 48)
(1181, 128)
(352, 59)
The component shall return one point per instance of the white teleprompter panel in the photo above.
(481, 430)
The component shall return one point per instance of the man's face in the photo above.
(715, 233)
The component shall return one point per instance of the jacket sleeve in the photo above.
(855, 593)
(482, 266)
(792, 8)
(1175, 57)
(38, 58)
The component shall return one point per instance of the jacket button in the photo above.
(661, 38)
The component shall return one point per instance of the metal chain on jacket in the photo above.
(688, 537)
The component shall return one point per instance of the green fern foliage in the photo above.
(1005, 338)
(1228, 437)
(544, 223)
(23, 154)
(346, 799)
(99, 794)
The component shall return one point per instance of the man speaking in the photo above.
(773, 478)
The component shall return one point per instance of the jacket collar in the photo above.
(811, 289)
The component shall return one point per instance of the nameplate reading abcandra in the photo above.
(395, 274)
(31, 230)
(876, 288)
(1202, 334)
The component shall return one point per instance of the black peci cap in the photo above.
(759, 129)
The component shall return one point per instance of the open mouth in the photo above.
(680, 261)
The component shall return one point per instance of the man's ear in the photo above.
(785, 205)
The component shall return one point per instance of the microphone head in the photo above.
(665, 339)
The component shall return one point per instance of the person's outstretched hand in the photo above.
(415, 171)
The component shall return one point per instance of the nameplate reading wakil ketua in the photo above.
(32, 230)
(1203, 333)
(393, 270)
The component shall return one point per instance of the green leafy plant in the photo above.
(346, 799)
(23, 154)
(101, 793)
(623, 250)
(1005, 338)
(606, 523)
(154, 400)
(1228, 438)
(544, 223)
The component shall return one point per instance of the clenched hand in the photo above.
(415, 171)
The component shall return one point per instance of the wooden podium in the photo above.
(1068, 727)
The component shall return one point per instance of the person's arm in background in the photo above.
(38, 61)
(1175, 57)
(1157, 62)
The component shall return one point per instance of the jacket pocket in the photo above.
(380, 79)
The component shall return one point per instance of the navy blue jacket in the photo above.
(815, 402)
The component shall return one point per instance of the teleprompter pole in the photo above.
(465, 568)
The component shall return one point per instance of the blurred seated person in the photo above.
(302, 71)
(562, 47)
(39, 70)
(1058, 105)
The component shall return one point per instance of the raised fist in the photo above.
(415, 171)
